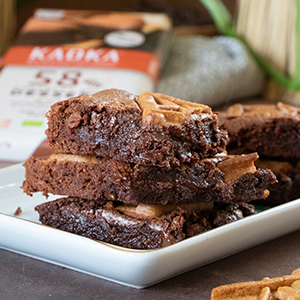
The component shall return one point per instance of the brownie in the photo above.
(269, 130)
(221, 179)
(101, 220)
(287, 187)
(150, 129)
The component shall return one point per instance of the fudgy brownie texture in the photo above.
(150, 129)
(100, 220)
(221, 179)
(287, 187)
(269, 130)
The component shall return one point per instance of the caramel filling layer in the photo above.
(150, 211)
(232, 166)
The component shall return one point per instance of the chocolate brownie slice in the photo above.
(103, 221)
(270, 130)
(221, 179)
(287, 187)
(151, 129)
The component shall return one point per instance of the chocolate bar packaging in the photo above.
(63, 53)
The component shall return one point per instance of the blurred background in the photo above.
(183, 13)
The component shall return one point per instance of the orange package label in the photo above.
(105, 58)
(60, 54)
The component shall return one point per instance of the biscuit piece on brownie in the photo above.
(285, 287)
(138, 227)
(150, 129)
(270, 130)
(221, 178)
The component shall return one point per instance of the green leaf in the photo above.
(220, 15)
(223, 21)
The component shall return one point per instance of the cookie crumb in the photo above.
(18, 211)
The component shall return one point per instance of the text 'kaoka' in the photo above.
(60, 54)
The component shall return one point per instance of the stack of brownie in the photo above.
(141, 171)
(273, 131)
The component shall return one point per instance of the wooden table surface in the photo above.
(26, 278)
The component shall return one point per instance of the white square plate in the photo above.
(137, 268)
